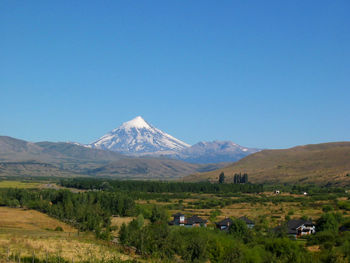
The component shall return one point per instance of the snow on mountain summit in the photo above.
(137, 136)
(137, 122)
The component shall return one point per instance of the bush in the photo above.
(327, 208)
(59, 229)
(344, 205)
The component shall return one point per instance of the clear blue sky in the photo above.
(269, 74)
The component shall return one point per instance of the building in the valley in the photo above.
(179, 219)
(227, 222)
(193, 221)
(300, 227)
(250, 223)
(224, 224)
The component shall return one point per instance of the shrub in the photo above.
(59, 229)
(327, 208)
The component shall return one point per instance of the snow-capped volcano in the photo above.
(138, 137)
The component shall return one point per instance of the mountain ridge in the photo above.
(21, 158)
(325, 163)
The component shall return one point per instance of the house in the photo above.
(227, 222)
(193, 221)
(345, 227)
(300, 227)
(179, 219)
(250, 223)
(224, 224)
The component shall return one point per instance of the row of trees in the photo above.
(240, 178)
(160, 186)
(237, 178)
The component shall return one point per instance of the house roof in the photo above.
(293, 224)
(246, 220)
(344, 228)
(225, 222)
(178, 214)
(195, 220)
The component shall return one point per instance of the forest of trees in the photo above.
(159, 186)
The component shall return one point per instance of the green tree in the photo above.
(329, 221)
(158, 214)
(123, 234)
(222, 178)
(239, 228)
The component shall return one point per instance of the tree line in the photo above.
(159, 186)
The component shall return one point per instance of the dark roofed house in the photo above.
(224, 224)
(250, 223)
(227, 222)
(195, 221)
(300, 227)
(181, 220)
(344, 228)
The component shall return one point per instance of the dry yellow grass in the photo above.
(29, 220)
(118, 221)
(26, 231)
(68, 248)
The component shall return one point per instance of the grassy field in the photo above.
(24, 232)
(273, 212)
(18, 184)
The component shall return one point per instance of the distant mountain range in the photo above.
(326, 163)
(136, 149)
(139, 138)
(21, 158)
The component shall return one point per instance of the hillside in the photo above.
(318, 163)
(21, 158)
(141, 168)
(12, 149)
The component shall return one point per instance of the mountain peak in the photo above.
(138, 137)
(137, 122)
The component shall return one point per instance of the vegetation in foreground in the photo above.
(143, 215)
(27, 233)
